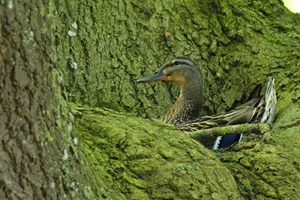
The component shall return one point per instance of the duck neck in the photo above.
(188, 104)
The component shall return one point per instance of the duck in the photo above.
(185, 73)
(184, 113)
(258, 109)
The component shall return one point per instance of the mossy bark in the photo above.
(102, 47)
(156, 163)
(39, 154)
(237, 45)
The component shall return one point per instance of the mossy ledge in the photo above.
(147, 159)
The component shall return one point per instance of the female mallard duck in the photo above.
(185, 72)
(184, 113)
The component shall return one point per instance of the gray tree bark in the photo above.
(39, 158)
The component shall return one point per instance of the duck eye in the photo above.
(176, 62)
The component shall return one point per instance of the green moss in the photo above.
(268, 168)
(49, 137)
(146, 158)
(143, 159)
(237, 45)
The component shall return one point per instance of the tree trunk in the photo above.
(39, 158)
(92, 52)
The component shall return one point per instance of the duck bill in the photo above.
(157, 76)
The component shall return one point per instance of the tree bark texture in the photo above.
(28, 109)
(237, 45)
(92, 52)
(106, 46)
(38, 153)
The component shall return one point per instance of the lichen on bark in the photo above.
(156, 163)
(237, 45)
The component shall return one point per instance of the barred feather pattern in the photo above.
(256, 110)
(270, 98)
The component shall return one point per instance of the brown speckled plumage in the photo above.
(184, 113)
(184, 72)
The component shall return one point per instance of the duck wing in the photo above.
(240, 115)
(257, 109)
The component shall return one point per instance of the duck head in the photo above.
(179, 70)
(184, 72)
